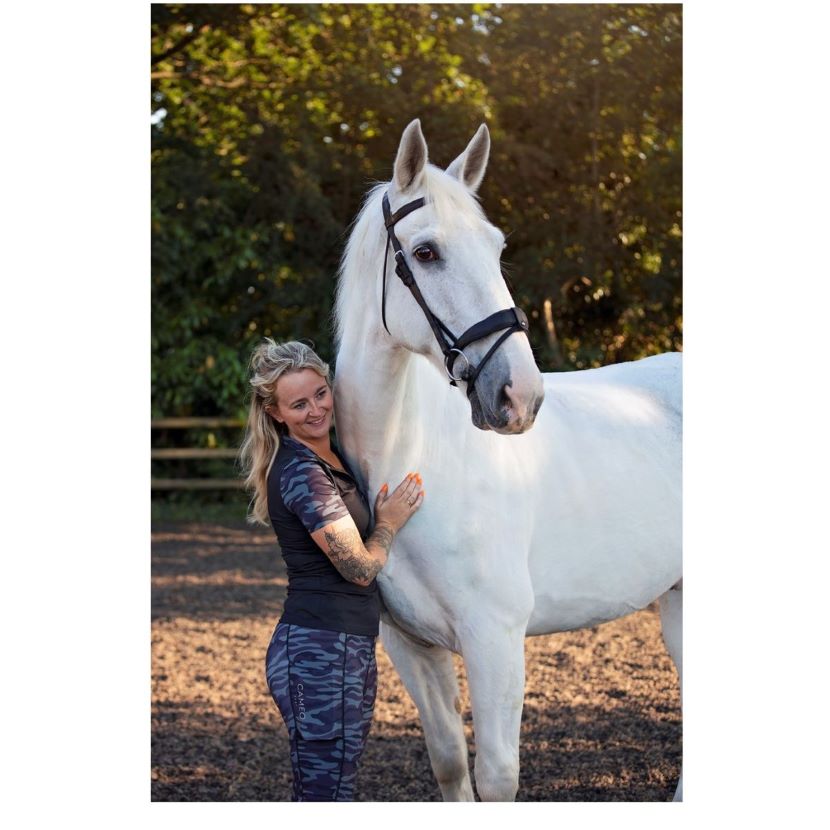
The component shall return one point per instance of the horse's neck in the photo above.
(380, 417)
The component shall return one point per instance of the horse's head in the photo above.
(453, 254)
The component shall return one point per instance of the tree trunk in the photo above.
(553, 341)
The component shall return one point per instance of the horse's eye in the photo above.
(423, 253)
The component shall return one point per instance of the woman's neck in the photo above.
(322, 446)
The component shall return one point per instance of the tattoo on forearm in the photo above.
(382, 536)
(356, 567)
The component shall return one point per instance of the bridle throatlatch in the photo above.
(507, 321)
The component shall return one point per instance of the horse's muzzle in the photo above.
(520, 411)
(510, 414)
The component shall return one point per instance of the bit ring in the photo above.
(447, 361)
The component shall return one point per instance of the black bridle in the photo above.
(508, 320)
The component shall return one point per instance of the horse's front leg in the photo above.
(429, 676)
(494, 660)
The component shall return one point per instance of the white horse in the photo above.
(523, 531)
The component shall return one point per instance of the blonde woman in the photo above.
(320, 664)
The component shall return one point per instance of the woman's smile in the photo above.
(320, 423)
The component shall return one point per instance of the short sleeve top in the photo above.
(305, 493)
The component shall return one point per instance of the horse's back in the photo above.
(659, 376)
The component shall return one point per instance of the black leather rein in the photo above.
(507, 321)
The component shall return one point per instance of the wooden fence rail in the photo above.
(197, 423)
(180, 453)
(197, 452)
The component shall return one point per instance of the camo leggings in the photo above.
(324, 683)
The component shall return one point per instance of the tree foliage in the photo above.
(270, 122)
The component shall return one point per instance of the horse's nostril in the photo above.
(505, 401)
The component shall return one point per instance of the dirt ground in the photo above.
(601, 718)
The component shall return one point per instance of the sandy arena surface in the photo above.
(601, 718)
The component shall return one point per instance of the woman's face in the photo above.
(304, 403)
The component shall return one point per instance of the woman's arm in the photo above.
(341, 541)
(356, 562)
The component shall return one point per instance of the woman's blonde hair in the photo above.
(269, 362)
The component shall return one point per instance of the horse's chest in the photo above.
(417, 609)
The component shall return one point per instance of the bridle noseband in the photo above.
(508, 320)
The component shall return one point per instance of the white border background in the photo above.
(76, 347)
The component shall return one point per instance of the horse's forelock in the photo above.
(451, 199)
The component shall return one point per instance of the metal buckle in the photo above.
(447, 361)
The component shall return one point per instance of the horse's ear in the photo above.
(469, 167)
(412, 157)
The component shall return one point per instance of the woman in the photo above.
(320, 664)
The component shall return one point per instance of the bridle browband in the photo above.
(508, 320)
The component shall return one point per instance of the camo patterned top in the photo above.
(306, 493)
(309, 491)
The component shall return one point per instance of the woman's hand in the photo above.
(395, 508)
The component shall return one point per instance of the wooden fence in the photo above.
(180, 453)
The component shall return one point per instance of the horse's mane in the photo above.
(364, 253)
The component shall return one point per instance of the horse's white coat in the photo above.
(573, 522)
